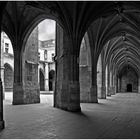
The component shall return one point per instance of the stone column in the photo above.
(113, 84)
(103, 88)
(2, 78)
(99, 77)
(108, 82)
(139, 85)
(2, 65)
(119, 84)
(46, 77)
(26, 86)
(67, 89)
(93, 96)
(1, 94)
(18, 92)
(117, 90)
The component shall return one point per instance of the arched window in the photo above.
(45, 54)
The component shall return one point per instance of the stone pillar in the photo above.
(18, 92)
(99, 77)
(2, 78)
(116, 83)
(93, 95)
(108, 82)
(113, 84)
(46, 77)
(119, 82)
(67, 89)
(1, 106)
(26, 92)
(26, 86)
(85, 83)
(103, 88)
(2, 64)
(139, 85)
(1, 94)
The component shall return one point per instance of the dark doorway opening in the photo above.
(129, 87)
(42, 88)
(51, 80)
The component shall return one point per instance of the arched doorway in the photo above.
(41, 81)
(8, 77)
(51, 80)
(128, 79)
(129, 87)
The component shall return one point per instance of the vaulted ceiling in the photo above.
(112, 27)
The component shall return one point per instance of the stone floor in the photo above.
(116, 117)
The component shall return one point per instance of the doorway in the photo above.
(129, 87)
(42, 79)
(51, 80)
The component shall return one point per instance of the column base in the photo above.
(84, 84)
(108, 91)
(93, 95)
(68, 98)
(74, 108)
(138, 89)
(18, 94)
(22, 95)
(69, 108)
(102, 95)
(113, 91)
(2, 125)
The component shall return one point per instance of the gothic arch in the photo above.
(85, 69)
(36, 21)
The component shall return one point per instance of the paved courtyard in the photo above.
(116, 117)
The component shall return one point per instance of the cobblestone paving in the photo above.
(116, 117)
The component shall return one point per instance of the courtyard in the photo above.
(117, 116)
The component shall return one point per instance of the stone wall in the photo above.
(129, 77)
(85, 83)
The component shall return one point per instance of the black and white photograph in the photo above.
(70, 69)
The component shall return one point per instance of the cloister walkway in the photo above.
(116, 117)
